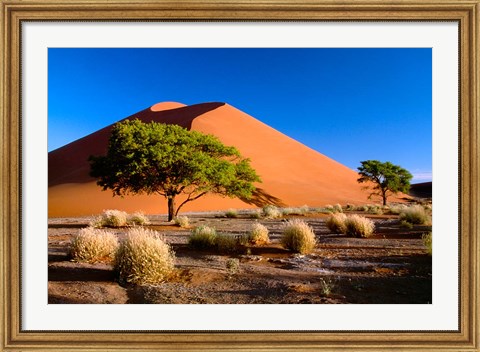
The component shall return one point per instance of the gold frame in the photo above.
(465, 13)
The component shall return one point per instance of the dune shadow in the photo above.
(261, 198)
(70, 163)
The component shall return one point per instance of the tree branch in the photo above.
(189, 200)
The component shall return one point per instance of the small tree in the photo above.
(169, 160)
(387, 178)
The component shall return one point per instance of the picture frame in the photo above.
(14, 13)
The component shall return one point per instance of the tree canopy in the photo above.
(386, 177)
(169, 160)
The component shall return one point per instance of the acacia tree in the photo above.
(169, 160)
(386, 177)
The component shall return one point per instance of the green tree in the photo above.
(386, 177)
(169, 160)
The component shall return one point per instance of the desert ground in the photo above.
(390, 267)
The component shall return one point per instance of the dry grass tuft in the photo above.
(92, 245)
(359, 226)
(182, 221)
(337, 208)
(336, 223)
(427, 242)
(138, 218)
(415, 214)
(203, 237)
(231, 213)
(298, 236)
(271, 212)
(227, 243)
(258, 234)
(144, 258)
(111, 218)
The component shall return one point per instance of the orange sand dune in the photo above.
(292, 173)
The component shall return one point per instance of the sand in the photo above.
(292, 174)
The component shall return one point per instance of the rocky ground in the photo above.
(390, 267)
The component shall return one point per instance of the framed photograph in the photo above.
(396, 80)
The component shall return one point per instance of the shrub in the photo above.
(138, 218)
(329, 207)
(359, 226)
(337, 208)
(271, 212)
(227, 243)
(111, 218)
(256, 214)
(258, 234)
(406, 225)
(323, 210)
(304, 209)
(231, 213)
(203, 237)
(397, 209)
(362, 208)
(427, 242)
(375, 209)
(232, 265)
(298, 236)
(92, 245)
(182, 221)
(415, 214)
(336, 223)
(144, 258)
(327, 286)
(349, 207)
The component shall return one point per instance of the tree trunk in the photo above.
(171, 207)
(384, 196)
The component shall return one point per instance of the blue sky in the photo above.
(349, 104)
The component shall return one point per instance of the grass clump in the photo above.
(298, 236)
(397, 209)
(336, 223)
(427, 242)
(256, 214)
(374, 209)
(337, 208)
(227, 243)
(329, 208)
(182, 221)
(233, 266)
(327, 286)
(271, 212)
(111, 218)
(231, 213)
(363, 208)
(203, 237)
(258, 234)
(144, 258)
(406, 225)
(304, 209)
(138, 218)
(415, 214)
(93, 245)
(359, 226)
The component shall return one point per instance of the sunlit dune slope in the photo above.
(292, 173)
